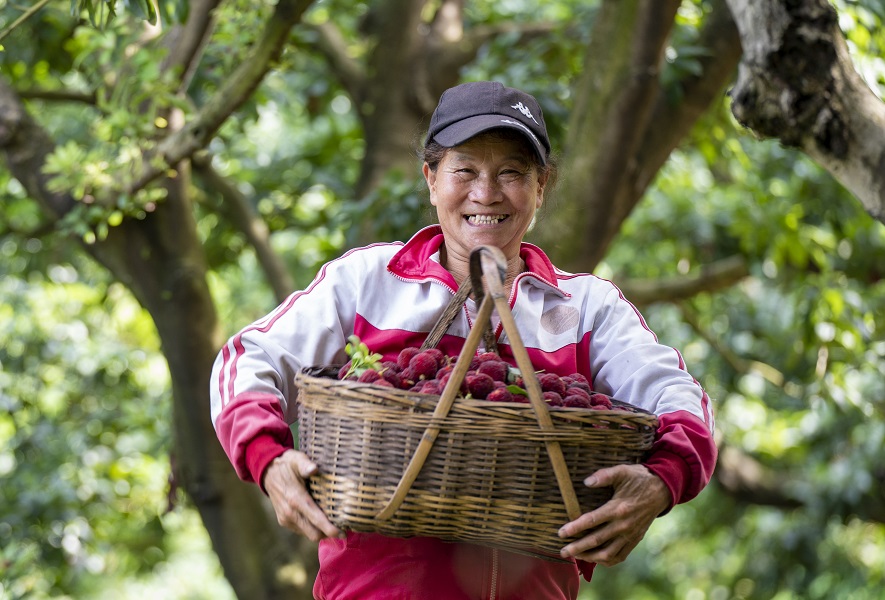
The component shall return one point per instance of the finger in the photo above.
(594, 539)
(585, 522)
(615, 552)
(606, 477)
(304, 466)
(313, 514)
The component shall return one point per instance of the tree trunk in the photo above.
(797, 83)
(624, 123)
(160, 259)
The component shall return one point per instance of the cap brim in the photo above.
(460, 132)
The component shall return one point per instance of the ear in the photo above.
(430, 178)
(542, 183)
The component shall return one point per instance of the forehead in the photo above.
(492, 145)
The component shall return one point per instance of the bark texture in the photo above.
(797, 83)
(625, 124)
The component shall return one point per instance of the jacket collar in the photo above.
(418, 260)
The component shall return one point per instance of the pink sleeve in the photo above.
(683, 455)
(253, 432)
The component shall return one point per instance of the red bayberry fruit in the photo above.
(496, 369)
(479, 385)
(576, 391)
(577, 377)
(437, 354)
(424, 365)
(383, 383)
(343, 370)
(390, 365)
(444, 371)
(580, 385)
(444, 381)
(601, 401)
(430, 387)
(369, 375)
(576, 402)
(487, 356)
(552, 398)
(405, 355)
(392, 377)
(550, 382)
(500, 395)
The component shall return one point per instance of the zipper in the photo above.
(493, 590)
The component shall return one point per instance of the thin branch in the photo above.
(712, 277)
(333, 46)
(247, 221)
(24, 17)
(748, 480)
(58, 96)
(237, 89)
(719, 36)
(739, 364)
(189, 40)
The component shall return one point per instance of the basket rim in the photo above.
(427, 402)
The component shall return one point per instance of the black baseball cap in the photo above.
(469, 109)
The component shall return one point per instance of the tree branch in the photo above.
(737, 363)
(712, 277)
(25, 145)
(247, 221)
(235, 91)
(350, 73)
(187, 42)
(58, 96)
(33, 10)
(613, 102)
(672, 123)
(750, 481)
(796, 83)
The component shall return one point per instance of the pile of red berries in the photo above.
(489, 378)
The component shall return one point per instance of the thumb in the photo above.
(304, 465)
(606, 477)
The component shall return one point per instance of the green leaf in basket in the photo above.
(361, 358)
(515, 389)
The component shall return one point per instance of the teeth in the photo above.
(485, 219)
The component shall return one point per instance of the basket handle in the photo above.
(491, 262)
(455, 305)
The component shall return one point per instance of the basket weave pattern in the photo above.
(487, 478)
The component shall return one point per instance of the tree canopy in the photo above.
(174, 169)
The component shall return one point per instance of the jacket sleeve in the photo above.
(629, 363)
(252, 384)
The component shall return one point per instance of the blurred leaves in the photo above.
(792, 356)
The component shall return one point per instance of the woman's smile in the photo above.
(485, 220)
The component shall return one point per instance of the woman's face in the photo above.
(486, 192)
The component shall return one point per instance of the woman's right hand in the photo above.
(285, 484)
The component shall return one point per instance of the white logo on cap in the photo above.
(525, 110)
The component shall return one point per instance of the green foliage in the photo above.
(361, 358)
(792, 356)
(83, 428)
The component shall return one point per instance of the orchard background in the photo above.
(173, 169)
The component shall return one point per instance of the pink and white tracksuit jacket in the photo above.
(390, 295)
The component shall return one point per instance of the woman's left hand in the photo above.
(616, 527)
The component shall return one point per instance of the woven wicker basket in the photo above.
(508, 475)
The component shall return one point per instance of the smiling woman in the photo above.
(487, 166)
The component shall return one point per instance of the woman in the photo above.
(487, 166)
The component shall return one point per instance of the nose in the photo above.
(486, 189)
